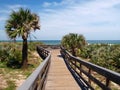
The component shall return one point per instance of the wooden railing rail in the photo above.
(42, 52)
(37, 80)
(82, 69)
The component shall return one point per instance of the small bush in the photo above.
(11, 55)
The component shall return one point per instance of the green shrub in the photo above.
(104, 55)
(32, 45)
(11, 55)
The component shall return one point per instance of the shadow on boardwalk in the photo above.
(80, 82)
(59, 56)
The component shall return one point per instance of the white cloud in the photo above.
(4, 11)
(93, 18)
(46, 4)
(62, 3)
(15, 7)
(88, 17)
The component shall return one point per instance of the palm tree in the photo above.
(65, 42)
(73, 41)
(21, 23)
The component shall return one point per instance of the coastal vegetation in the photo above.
(11, 73)
(20, 24)
(73, 42)
(105, 55)
(17, 55)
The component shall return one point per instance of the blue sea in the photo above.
(57, 42)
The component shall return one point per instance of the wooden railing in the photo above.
(37, 80)
(91, 74)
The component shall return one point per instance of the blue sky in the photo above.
(95, 19)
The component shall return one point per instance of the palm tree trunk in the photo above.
(24, 54)
(73, 52)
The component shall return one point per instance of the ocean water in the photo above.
(51, 42)
(57, 42)
(103, 41)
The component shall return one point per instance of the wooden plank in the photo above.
(59, 77)
(108, 74)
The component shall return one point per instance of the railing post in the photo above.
(38, 83)
(80, 68)
(89, 80)
(75, 65)
(107, 82)
(110, 76)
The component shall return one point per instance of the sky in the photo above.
(95, 19)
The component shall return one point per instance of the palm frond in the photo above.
(20, 22)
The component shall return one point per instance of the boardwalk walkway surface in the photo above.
(59, 77)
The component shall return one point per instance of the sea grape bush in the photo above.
(104, 55)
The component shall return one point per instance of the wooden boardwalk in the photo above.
(59, 77)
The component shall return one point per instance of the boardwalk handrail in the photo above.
(77, 66)
(37, 80)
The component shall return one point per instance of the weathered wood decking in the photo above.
(59, 77)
